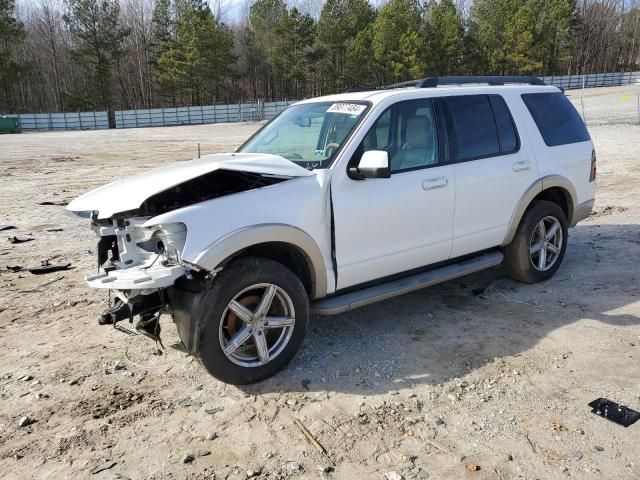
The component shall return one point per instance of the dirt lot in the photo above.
(482, 371)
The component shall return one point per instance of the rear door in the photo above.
(492, 169)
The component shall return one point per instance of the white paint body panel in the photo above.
(389, 225)
(302, 203)
(572, 161)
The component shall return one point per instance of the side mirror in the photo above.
(373, 164)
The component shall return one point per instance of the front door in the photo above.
(385, 226)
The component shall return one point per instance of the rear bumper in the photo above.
(582, 211)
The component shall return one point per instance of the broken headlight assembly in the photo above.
(134, 257)
(166, 240)
(128, 243)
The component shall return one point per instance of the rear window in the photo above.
(557, 120)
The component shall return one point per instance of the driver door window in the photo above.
(407, 132)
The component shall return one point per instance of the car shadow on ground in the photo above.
(451, 329)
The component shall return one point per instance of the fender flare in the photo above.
(537, 187)
(216, 254)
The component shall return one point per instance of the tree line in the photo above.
(67, 55)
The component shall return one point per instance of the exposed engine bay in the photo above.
(206, 187)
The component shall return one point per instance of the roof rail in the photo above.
(432, 82)
(410, 83)
(360, 89)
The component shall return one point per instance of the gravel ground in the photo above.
(480, 378)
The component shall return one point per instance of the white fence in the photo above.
(245, 112)
(62, 121)
(158, 117)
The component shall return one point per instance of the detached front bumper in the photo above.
(136, 278)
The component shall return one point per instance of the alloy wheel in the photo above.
(257, 325)
(545, 244)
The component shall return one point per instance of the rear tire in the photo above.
(539, 245)
(254, 319)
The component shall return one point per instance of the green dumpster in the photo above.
(9, 125)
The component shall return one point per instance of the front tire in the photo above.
(539, 245)
(254, 318)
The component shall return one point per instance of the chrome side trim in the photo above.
(245, 237)
(377, 293)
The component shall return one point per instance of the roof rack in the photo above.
(432, 82)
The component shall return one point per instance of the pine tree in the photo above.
(294, 51)
(522, 36)
(98, 45)
(361, 69)
(162, 26)
(264, 19)
(398, 44)
(194, 63)
(445, 37)
(339, 24)
(11, 32)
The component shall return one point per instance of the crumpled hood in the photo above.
(129, 193)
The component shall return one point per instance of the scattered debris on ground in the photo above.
(15, 240)
(57, 204)
(48, 267)
(615, 412)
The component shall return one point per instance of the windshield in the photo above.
(310, 134)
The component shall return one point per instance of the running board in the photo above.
(360, 298)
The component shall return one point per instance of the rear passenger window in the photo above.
(506, 131)
(557, 120)
(471, 127)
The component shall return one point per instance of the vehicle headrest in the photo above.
(418, 133)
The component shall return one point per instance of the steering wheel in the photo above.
(331, 146)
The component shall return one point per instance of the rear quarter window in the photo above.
(556, 119)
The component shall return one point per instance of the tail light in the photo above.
(592, 175)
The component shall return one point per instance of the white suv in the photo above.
(339, 202)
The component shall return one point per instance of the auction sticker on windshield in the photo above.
(348, 108)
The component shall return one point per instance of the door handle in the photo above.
(433, 183)
(521, 166)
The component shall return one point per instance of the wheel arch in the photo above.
(283, 243)
(554, 188)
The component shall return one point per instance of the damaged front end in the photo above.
(148, 262)
(134, 257)
(137, 263)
